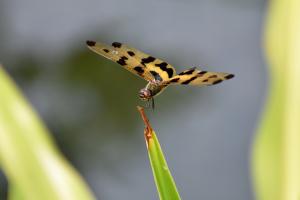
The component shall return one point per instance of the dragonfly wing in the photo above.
(196, 77)
(135, 61)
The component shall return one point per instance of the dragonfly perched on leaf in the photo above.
(158, 73)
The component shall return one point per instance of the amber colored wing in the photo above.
(135, 61)
(196, 77)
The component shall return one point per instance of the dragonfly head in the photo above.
(145, 94)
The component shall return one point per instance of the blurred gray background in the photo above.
(89, 103)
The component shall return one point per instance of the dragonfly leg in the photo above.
(152, 103)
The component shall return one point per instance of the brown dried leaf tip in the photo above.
(148, 129)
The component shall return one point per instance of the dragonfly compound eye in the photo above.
(145, 94)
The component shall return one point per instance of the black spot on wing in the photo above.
(156, 75)
(163, 66)
(216, 82)
(106, 50)
(139, 69)
(202, 73)
(147, 60)
(116, 44)
(122, 60)
(131, 53)
(174, 80)
(90, 43)
(170, 72)
(204, 81)
(229, 76)
(189, 80)
(187, 72)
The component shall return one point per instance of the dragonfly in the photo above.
(157, 72)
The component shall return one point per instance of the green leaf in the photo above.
(276, 160)
(28, 156)
(163, 179)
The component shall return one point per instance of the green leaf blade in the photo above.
(162, 175)
(164, 181)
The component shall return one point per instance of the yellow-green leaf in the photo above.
(276, 161)
(28, 156)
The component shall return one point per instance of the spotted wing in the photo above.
(196, 77)
(135, 61)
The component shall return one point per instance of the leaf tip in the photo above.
(148, 129)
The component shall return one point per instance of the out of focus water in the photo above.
(89, 103)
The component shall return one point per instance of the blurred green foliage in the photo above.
(276, 160)
(34, 167)
(113, 86)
